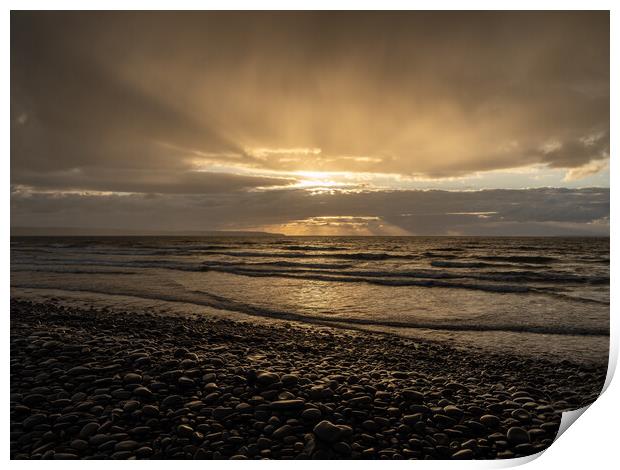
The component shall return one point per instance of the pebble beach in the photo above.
(97, 384)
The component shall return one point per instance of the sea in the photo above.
(542, 297)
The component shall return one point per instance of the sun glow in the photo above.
(316, 179)
(330, 225)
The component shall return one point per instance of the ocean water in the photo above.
(547, 297)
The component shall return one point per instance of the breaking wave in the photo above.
(203, 298)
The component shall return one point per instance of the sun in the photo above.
(316, 179)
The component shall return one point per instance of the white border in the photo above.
(311, 5)
(592, 442)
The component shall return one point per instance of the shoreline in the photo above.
(88, 383)
(584, 350)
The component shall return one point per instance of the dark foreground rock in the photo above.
(89, 384)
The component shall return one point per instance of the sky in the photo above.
(312, 123)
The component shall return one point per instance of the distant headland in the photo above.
(110, 232)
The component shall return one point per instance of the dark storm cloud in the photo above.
(191, 111)
(147, 181)
(491, 212)
(69, 110)
(432, 93)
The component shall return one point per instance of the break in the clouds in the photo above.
(214, 106)
(544, 211)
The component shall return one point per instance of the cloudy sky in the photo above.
(312, 123)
